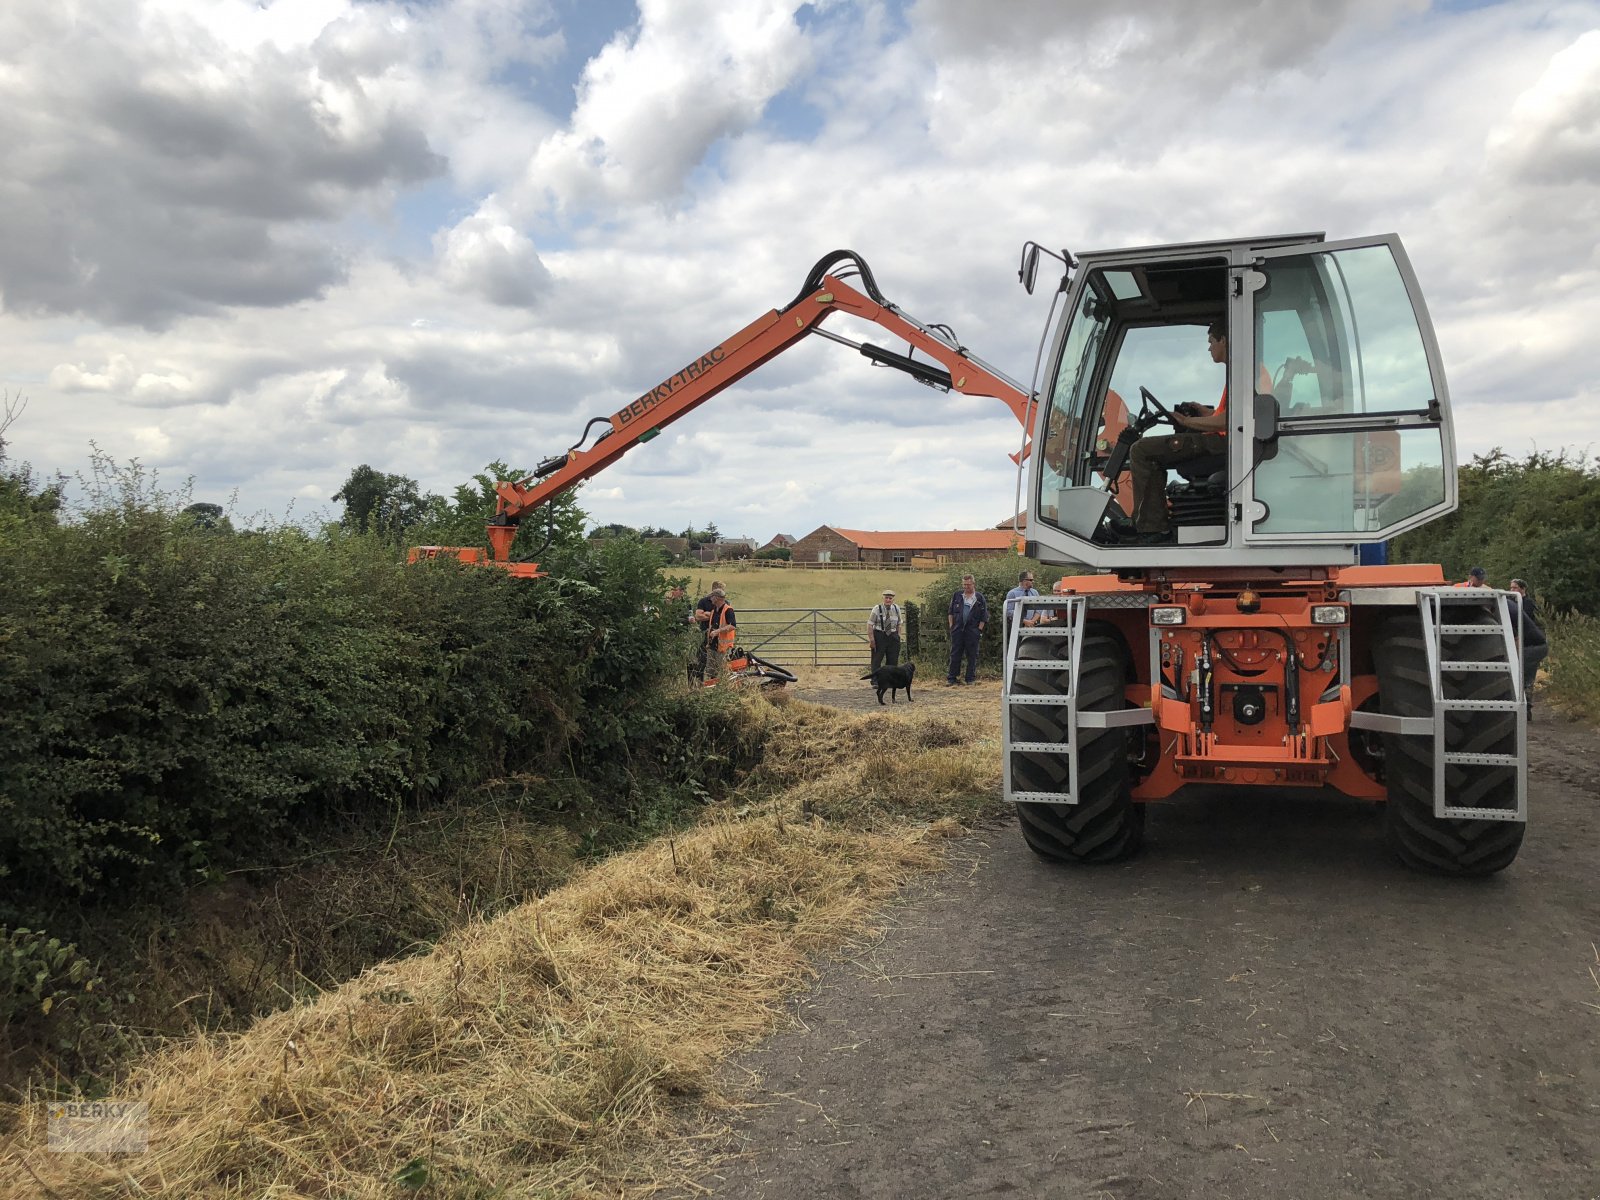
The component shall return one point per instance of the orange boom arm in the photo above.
(824, 293)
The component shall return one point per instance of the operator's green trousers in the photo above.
(1150, 458)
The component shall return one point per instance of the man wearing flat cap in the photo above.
(883, 631)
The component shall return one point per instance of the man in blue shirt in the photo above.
(1023, 591)
(969, 613)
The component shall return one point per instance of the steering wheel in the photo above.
(1150, 402)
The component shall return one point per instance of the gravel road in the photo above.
(1262, 1004)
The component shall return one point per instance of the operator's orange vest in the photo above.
(720, 637)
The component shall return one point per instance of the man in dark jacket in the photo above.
(969, 613)
(1535, 645)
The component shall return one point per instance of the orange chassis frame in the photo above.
(1267, 753)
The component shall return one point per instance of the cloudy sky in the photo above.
(259, 242)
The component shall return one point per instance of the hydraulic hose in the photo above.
(825, 266)
(1291, 681)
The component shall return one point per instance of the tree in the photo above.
(377, 502)
(709, 534)
(208, 517)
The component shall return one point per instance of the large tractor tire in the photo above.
(1423, 841)
(1105, 825)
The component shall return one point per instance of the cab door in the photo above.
(1354, 442)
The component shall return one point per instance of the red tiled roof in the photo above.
(998, 540)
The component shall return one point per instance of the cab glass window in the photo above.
(1340, 337)
(1349, 482)
(1065, 416)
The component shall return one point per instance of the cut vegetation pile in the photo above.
(562, 1048)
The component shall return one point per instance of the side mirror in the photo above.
(1028, 272)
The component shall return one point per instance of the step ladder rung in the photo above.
(1480, 705)
(1048, 631)
(1480, 814)
(1040, 664)
(1043, 798)
(1458, 630)
(1464, 759)
(1051, 699)
(1040, 747)
(1474, 666)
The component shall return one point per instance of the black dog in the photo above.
(892, 679)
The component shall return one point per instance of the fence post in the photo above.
(816, 653)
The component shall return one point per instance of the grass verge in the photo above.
(1573, 683)
(564, 1048)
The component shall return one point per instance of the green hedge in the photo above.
(1537, 518)
(175, 698)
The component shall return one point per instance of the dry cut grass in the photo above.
(566, 1047)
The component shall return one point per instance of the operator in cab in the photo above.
(1202, 433)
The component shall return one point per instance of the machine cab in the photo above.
(1320, 363)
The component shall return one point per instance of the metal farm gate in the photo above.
(822, 637)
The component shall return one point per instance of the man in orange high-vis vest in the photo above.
(721, 633)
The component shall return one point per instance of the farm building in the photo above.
(829, 543)
(727, 547)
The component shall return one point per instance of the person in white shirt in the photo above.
(883, 632)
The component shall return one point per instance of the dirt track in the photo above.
(1262, 1004)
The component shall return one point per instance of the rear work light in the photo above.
(1164, 615)
(1328, 614)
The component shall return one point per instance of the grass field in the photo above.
(767, 587)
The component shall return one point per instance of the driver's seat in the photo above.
(1202, 468)
(1201, 498)
(1200, 495)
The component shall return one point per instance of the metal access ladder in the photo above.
(1068, 619)
(1435, 606)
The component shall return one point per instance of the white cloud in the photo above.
(317, 233)
(487, 255)
(1552, 133)
(116, 375)
(650, 105)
